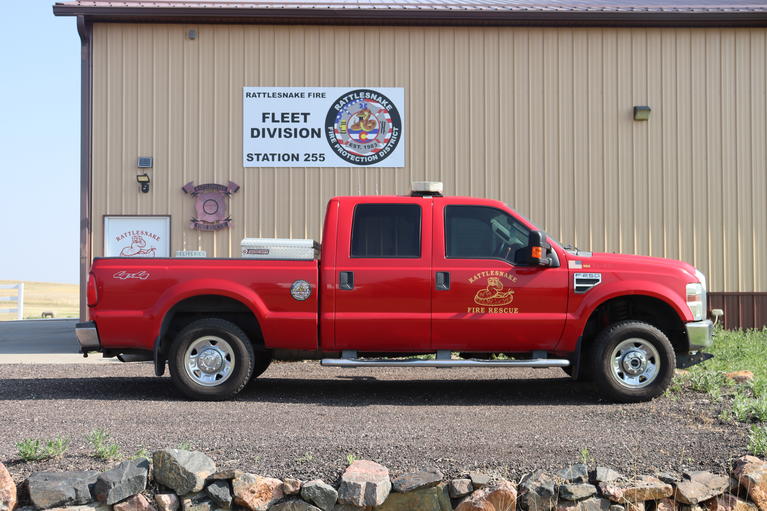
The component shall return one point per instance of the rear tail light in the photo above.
(93, 292)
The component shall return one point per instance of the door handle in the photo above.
(443, 280)
(346, 280)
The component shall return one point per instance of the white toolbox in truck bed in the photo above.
(279, 248)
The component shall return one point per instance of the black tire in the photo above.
(632, 342)
(262, 363)
(227, 344)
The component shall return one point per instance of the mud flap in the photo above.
(159, 361)
(685, 360)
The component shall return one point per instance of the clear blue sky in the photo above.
(40, 143)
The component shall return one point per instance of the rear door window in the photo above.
(386, 231)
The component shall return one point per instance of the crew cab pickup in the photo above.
(461, 278)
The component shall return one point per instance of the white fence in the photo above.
(19, 299)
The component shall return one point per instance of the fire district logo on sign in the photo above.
(363, 127)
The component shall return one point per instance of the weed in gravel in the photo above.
(56, 447)
(746, 408)
(184, 446)
(103, 448)
(585, 457)
(33, 449)
(351, 458)
(709, 382)
(30, 449)
(306, 458)
(757, 440)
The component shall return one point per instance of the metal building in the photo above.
(530, 103)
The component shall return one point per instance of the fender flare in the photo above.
(190, 289)
(625, 288)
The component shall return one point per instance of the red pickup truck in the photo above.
(457, 277)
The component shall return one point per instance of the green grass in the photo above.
(757, 442)
(103, 448)
(735, 350)
(33, 449)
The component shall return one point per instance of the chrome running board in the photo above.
(414, 362)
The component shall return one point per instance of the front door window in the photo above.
(478, 232)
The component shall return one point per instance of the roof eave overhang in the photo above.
(318, 16)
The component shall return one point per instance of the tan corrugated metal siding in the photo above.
(538, 117)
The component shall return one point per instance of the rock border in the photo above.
(184, 480)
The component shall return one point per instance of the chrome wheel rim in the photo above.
(635, 363)
(209, 361)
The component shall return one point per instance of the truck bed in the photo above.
(134, 295)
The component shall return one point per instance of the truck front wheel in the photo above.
(633, 361)
(211, 359)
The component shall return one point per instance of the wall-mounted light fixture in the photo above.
(642, 113)
(143, 180)
(191, 34)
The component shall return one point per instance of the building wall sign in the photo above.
(323, 127)
(211, 205)
(137, 236)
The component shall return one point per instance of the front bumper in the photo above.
(87, 336)
(700, 334)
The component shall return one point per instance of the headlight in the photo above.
(696, 297)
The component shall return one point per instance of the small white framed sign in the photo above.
(136, 236)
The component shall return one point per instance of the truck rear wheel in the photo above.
(633, 361)
(211, 359)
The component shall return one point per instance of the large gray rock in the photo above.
(182, 471)
(479, 480)
(538, 491)
(7, 490)
(578, 473)
(434, 498)
(220, 493)
(590, 504)
(699, 486)
(576, 491)
(256, 493)
(320, 494)
(607, 475)
(293, 505)
(56, 489)
(636, 490)
(125, 480)
(459, 488)
(417, 480)
(364, 483)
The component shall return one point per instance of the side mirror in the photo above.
(536, 252)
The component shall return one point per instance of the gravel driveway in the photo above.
(302, 420)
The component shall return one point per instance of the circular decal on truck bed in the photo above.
(366, 129)
(301, 290)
